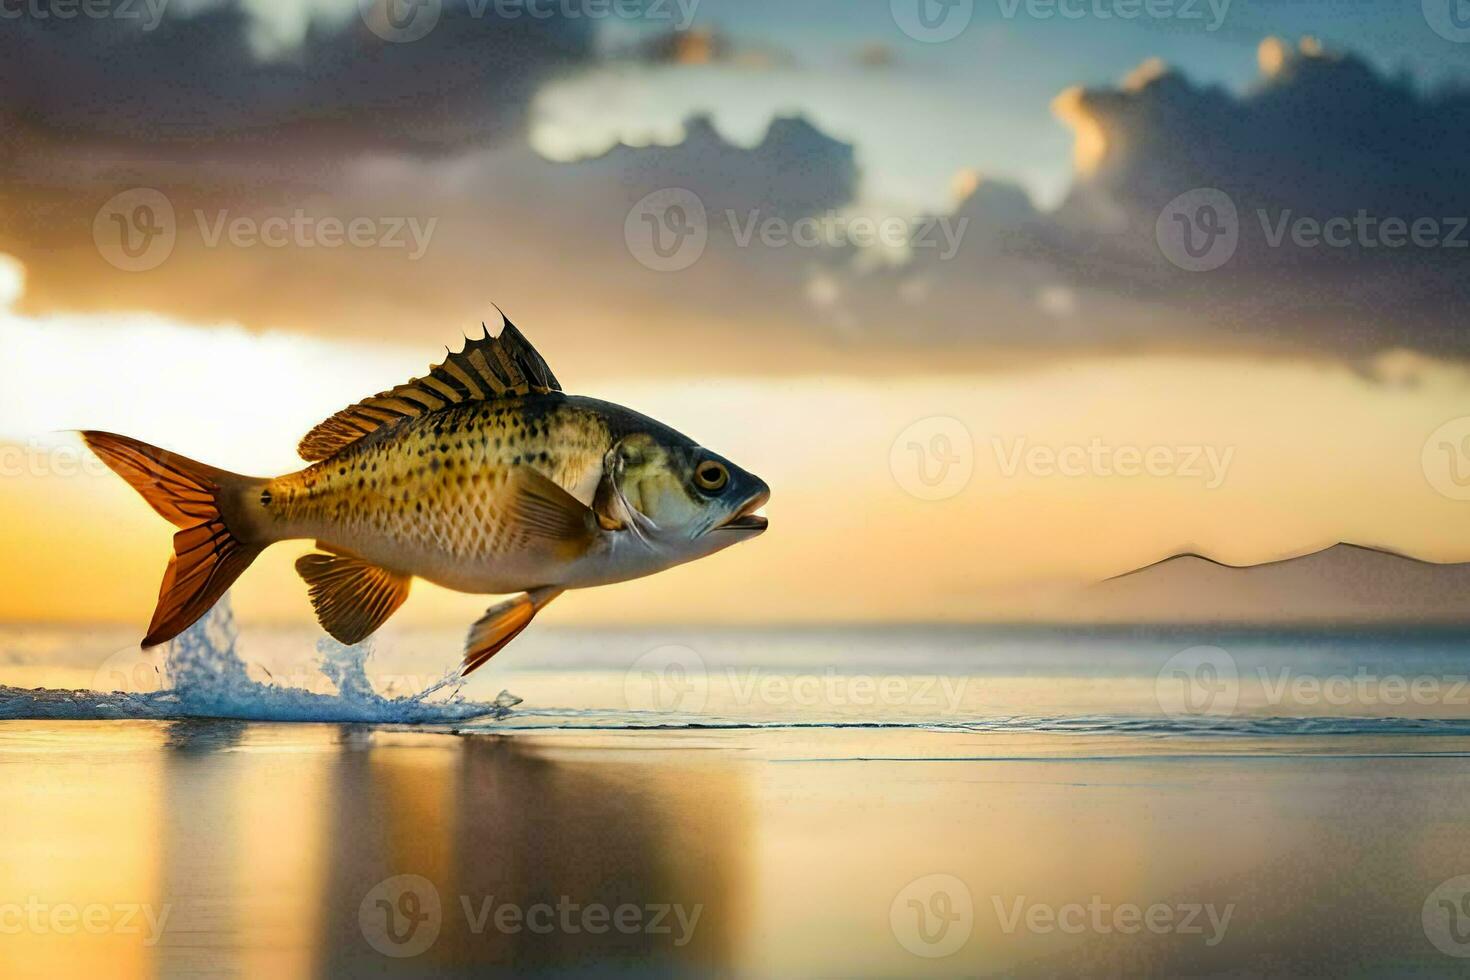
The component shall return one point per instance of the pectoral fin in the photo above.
(541, 509)
(501, 623)
(351, 598)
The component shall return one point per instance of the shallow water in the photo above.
(1147, 681)
(201, 675)
(898, 802)
(234, 848)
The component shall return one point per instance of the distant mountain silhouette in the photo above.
(1345, 583)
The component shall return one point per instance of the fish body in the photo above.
(483, 477)
(431, 496)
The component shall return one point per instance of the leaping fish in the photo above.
(482, 476)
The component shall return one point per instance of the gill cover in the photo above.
(615, 512)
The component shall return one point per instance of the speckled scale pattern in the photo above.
(437, 483)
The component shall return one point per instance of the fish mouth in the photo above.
(746, 518)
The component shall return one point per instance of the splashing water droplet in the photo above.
(207, 678)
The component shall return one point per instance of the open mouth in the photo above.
(747, 518)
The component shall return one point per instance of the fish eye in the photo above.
(711, 476)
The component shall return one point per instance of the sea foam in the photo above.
(205, 677)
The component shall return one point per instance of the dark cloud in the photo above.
(348, 125)
(1321, 132)
(190, 84)
(548, 241)
(1321, 142)
(794, 170)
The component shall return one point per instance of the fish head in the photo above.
(678, 496)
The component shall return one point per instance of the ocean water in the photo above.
(898, 802)
(1150, 681)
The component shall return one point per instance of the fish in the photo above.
(483, 476)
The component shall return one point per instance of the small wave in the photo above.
(207, 678)
(1246, 727)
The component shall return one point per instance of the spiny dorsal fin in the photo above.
(488, 367)
(351, 598)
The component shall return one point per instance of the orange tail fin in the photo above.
(208, 554)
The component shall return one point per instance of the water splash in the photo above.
(207, 678)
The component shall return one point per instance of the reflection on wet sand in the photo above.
(78, 831)
(291, 867)
(251, 850)
(306, 851)
(239, 844)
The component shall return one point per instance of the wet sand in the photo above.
(233, 848)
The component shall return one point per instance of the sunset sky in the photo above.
(1290, 398)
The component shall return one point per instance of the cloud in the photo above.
(1321, 161)
(687, 46)
(697, 47)
(444, 237)
(1320, 131)
(1323, 173)
(192, 82)
(259, 142)
(340, 127)
(876, 55)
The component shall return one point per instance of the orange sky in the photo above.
(1250, 460)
